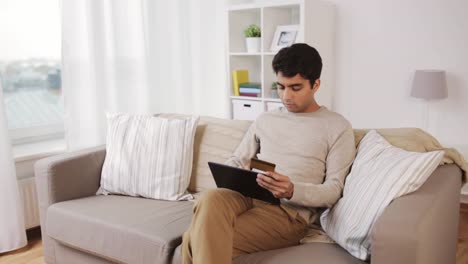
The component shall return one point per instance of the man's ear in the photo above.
(316, 84)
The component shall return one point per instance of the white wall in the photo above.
(29, 29)
(380, 43)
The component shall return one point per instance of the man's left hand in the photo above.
(279, 185)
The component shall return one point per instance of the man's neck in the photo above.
(312, 108)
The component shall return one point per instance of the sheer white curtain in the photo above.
(146, 56)
(12, 230)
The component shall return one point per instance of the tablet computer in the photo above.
(240, 180)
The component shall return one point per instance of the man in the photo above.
(313, 149)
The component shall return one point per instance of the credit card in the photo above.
(261, 165)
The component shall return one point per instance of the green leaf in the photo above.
(252, 31)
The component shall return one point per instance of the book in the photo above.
(250, 90)
(250, 85)
(250, 94)
(238, 77)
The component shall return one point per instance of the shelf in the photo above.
(239, 20)
(245, 53)
(266, 53)
(266, 4)
(244, 7)
(274, 100)
(246, 98)
(315, 20)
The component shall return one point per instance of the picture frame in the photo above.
(285, 35)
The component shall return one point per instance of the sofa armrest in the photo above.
(421, 227)
(69, 176)
(65, 177)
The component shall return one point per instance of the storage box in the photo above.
(246, 109)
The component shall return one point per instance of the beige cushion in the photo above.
(415, 139)
(411, 139)
(121, 228)
(319, 253)
(215, 140)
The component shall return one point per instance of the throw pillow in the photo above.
(148, 156)
(380, 173)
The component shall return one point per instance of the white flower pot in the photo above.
(253, 44)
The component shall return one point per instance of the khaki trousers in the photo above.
(227, 224)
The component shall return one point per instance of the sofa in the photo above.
(79, 226)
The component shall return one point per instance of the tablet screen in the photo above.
(240, 180)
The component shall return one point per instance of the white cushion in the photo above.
(380, 173)
(148, 156)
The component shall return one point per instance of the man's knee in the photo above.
(217, 199)
(216, 195)
(211, 194)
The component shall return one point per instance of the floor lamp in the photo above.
(429, 85)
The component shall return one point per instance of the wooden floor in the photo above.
(32, 254)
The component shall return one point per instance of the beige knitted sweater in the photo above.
(314, 149)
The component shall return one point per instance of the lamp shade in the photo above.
(429, 84)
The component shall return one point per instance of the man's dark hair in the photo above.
(299, 58)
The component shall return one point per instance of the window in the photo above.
(33, 99)
(30, 69)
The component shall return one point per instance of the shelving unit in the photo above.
(316, 28)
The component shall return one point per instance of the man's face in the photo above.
(296, 93)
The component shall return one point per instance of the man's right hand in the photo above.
(279, 185)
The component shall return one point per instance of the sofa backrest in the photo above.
(217, 138)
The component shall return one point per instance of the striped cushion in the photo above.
(148, 156)
(380, 173)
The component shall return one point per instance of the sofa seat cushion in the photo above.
(121, 228)
(312, 253)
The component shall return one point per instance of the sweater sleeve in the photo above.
(338, 162)
(246, 150)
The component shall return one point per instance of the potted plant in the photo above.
(252, 37)
(274, 90)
